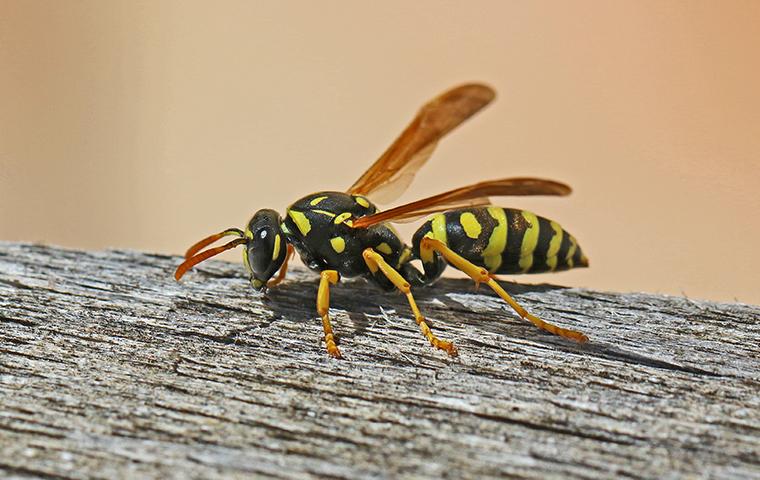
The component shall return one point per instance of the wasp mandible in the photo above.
(343, 234)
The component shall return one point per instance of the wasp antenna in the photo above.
(192, 261)
(197, 247)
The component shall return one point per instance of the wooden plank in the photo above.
(109, 368)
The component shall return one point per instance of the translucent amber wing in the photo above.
(476, 194)
(389, 176)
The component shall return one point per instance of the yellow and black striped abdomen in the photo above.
(505, 240)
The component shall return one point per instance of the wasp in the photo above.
(343, 234)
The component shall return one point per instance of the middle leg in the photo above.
(376, 263)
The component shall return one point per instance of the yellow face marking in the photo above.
(362, 201)
(439, 228)
(324, 212)
(338, 244)
(571, 252)
(245, 260)
(470, 224)
(342, 218)
(315, 201)
(248, 233)
(554, 243)
(303, 223)
(384, 248)
(276, 250)
(497, 242)
(529, 241)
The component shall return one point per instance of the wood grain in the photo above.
(111, 369)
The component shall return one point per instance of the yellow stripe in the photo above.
(497, 242)
(338, 244)
(405, 254)
(571, 252)
(384, 248)
(276, 250)
(470, 224)
(314, 202)
(439, 228)
(551, 254)
(303, 223)
(323, 212)
(362, 201)
(529, 241)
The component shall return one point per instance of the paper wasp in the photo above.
(342, 234)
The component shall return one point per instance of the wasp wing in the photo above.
(471, 195)
(389, 176)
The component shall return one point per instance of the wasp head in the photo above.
(266, 248)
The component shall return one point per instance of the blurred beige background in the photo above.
(149, 125)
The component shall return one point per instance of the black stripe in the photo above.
(516, 226)
(577, 257)
(564, 247)
(545, 235)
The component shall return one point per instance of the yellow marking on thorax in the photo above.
(276, 250)
(324, 212)
(303, 223)
(343, 218)
(362, 201)
(439, 228)
(338, 244)
(529, 241)
(470, 224)
(384, 248)
(315, 201)
(571, 252)
(554, 243)
(497, 242)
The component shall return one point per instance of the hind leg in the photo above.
(376, 263)
(481, 275)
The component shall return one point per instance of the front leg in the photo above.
(283, 269)
(323, 308)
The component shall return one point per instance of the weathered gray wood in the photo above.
(109, 368)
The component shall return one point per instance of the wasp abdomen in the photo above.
(503, 240)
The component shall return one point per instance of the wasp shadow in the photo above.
(364, 303)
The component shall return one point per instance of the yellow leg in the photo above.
(480, 274)
(283, 269)
(376, 262)
(323, 308)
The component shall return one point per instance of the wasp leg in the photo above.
(283, 269)
(323, 308)
(376, 262)
(481, 275)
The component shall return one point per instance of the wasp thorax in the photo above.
(266, 248)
